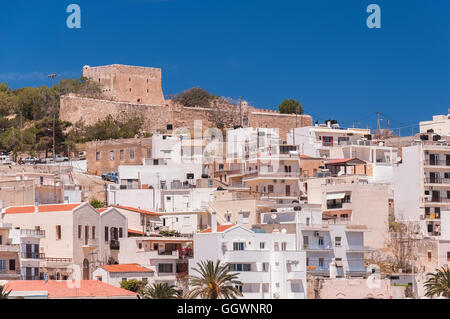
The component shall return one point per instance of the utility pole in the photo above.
(53, 76)
(378, 122)
(54, 152)
(240, 111)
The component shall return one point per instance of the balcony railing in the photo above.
(32, 232)
(58, 260)
(9, 248)
(436, 200)
(32, 255)
(437, 163)
(31, 278)
(317, 247)
(431, 180)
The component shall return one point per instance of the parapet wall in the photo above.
(156, 117)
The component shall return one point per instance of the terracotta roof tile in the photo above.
(61, 289)
(137, 210)
(126, 268)
(220, 228)
(19, 210)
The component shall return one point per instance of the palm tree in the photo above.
(215, 282)
(161, 291)
(3, 293)
(438, 283)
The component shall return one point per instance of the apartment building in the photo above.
(106, 156)
(320, 140)
(17, 192)
(78, 239)
(422, 184)
(333, 249)
(269, 264)
(19, 253)
(352, 200)
(167, 257)
(440, 125)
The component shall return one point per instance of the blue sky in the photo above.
(320, 52)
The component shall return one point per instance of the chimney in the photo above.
(213, 222)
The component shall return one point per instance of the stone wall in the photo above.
(157, 117)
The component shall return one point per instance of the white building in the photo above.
(440, 125)
(270, 266)
(115, 274)
(319, 140)
(166, 256)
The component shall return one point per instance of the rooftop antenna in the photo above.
(53, 76)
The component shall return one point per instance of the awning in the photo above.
(335, 196)
(339, 263)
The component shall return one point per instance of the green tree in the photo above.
(215, 281)
(438, 283)
(133, 285)
(161, 291)
(290, 106)
(3, 293)
(194, 97)
(97, 204)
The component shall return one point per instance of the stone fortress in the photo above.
(131, 91)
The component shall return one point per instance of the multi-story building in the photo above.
(319, 140)
(19, 252)
(76, 236)
(440, 125)
(354, 201)
(333, 248)
(422, 184)
(115, 274)
(106, 156)
(270, 265)
(167, 257)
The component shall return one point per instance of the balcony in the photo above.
(9, 248)
(9, 274)
(435, 180)
(437, 163)
(114, 244)
(339, 205)
(32, 255)
(318, 247)
(51, 262)
(254, 276)
(32, 233)
(358, 249)
(245, 256)
(318, 270)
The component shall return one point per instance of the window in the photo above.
(270, 188)
(86, 232)
(93, 232)
(283, 246)
(165, 268)
(106, 233)
(238, 246)
(305, 241)
(2, 266)
(245, 218)
(265, 266)
(337, 241)
(99, 278)
(79, 231)
(169, 127)
(186, 221)
(58, 232)
(12, 264)
(189, 176)
(131, 153)
(97, 156)
(121, 155)
(111, 155)
(149, 153)
(320, 241)
(448, 255)
(120, 232)
(41, 180)
(145, 279)
(140, 245)
(262, 245)
(320, 262)
(168, 198)
(429, 255)
(240, 267)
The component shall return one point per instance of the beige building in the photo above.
(17, 192)
(352, 200)
(440, 125)
(106, 156)
(77, 239)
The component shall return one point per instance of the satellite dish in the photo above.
(284, 231)
(273, 216)
(276, 231)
